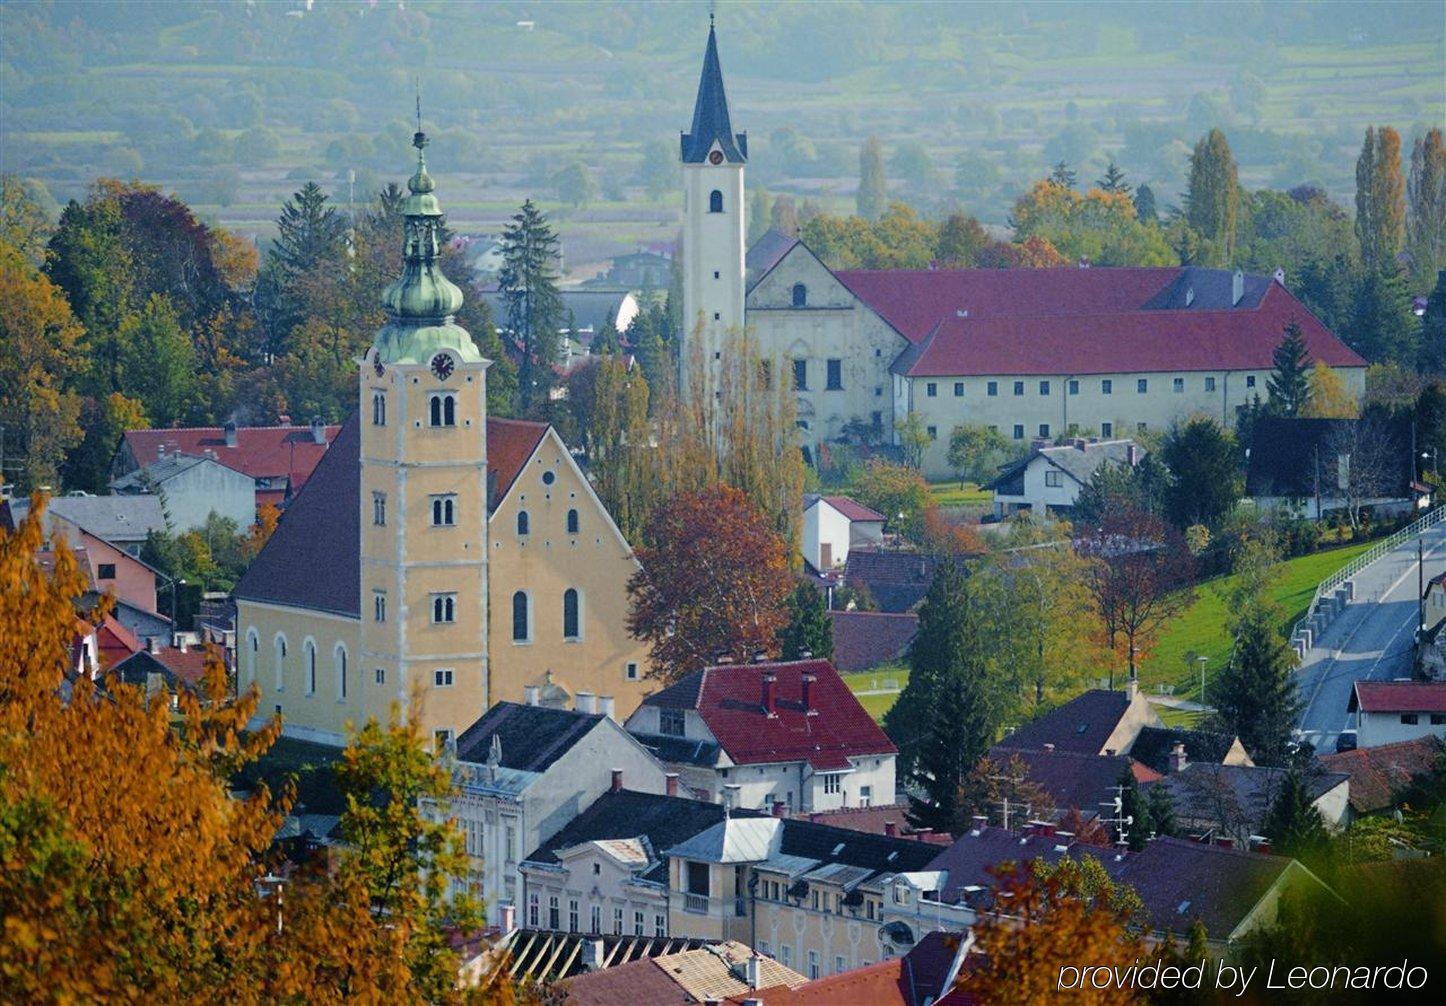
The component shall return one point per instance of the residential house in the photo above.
(1229, 803)
(163, 668)
(586, 310)
(920, 977)
(1072, 781)
(280, 459)
(713, 973)
(112, 572)
(863, 640)
(832, 525)
(604, 871)
(1307, 466)
(1378, 774)
(122, 521)
(1047, 481)
(191, 488)
(1390, 711)
(1157, 746)
(1096, 722)
(790, 734)
(806, 894)
(645, 269)
(522, 773)
(894, 579)
(1435, 601)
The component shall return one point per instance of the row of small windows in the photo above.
(441, 409)
(554, 917)
(833, 375)
(1107, 430)
(1107, 387)
(339, 664)
(571, 616)
(443, 507)
(524, 522)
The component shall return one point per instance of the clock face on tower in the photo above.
(716, 157)
(442, 366)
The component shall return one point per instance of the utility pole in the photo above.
(1203, 661)
(1420, 587)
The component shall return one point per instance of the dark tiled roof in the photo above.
(533, 737)
(711, 121)
(867, 639)
(176, 667)
(1284, 454)
(879, 853)
(590, 309)
(969, 860)
(1082, 724)
(313, 559)
(896, 580)
(875, 821)
(1135, 341)
(767, 252)
(1153, 745)
(1074, 780)
(664, 821)
(1197, 289)
(260, 451)
(1078, 462)
(1378, 773)
(1250, 789)
(728, 699)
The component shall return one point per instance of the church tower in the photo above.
(423, 401)
(713, 157)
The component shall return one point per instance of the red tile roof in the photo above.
(114, 642)
(260, 451)
(867, 639)
(510, 442)
(729, 700)
(881, 984)
(1134, 341)
(1377, 773)
(1399, 697)
(852, 509)
(913, 301)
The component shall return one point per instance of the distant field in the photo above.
(1202, 629)
(885, 683)
(952, 493)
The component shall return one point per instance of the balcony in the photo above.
(695, 903)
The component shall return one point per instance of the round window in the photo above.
(549, 477)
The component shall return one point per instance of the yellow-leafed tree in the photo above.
(1329, 398)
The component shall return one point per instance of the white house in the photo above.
(191, 488)
(834, 524)
(523, 772)
(788, 734)
(1049, 479)
(1391, 711)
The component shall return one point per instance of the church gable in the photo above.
(776, 289)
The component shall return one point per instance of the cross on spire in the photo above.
(419, 138)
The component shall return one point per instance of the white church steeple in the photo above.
(713, 159)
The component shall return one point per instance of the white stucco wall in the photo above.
(823, 525)
(190, 497)
(1386, 728)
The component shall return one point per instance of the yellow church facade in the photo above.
(437, 559)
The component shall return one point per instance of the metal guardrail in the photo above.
(1360, 562)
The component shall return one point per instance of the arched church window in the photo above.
(800, 295)
(443, 410)
(572, 522)
(715, 201)
(280, 662)
(522, 522)
(520, 617)
(340, 657)
(571, 622)
(379, 408)
(310, 649)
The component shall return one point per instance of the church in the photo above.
(1036, 354)
(437, 558)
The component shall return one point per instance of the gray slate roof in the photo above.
(711, 120)
(590, 309)
(113, 518)
(1212, 290)
(1082, 724)
(533, 737)
(1249, 790)
(1079, 463)
(1153, 745)
(159, 472)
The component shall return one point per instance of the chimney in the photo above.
(730, 796)
(529, 694)
(1080, 443)
(1225, 843)
(769, 678)
(1237, 288)
(585, 702)
(607, 707)
(1084, 261)
(1049, 746)
(807, 679)
(1177, 758)
(617, 779)
(752, 970)
(1132, 688)
(509, 918)
(1109, 752)
(780, 809)
(230, 434)
(318, 430)
(1259, 843)
(891, 829)
(153, 644)
(670, 783)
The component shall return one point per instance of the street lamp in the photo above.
(1203, 661)
(1430, 452)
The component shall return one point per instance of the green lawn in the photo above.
(1201, 629)
(952, 493)
(879, 681)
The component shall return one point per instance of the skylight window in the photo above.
(837, 849)
(1184, 907)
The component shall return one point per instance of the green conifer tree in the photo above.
(1213, 199)
(1294, 824)
(1289, 381)
(1255, 694)
(528, 283)
(809, 628)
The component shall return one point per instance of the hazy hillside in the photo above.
(231, 104)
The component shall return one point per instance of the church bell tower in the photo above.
(423, 402)
(713, 158)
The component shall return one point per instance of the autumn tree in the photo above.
(1329, 398)
(809, 629)
(1380, 199)
(1139, 580)
(961, 239)
(1289, 380)
(609, 400)
(1426, 201)
(999, 789)
(1212, 202)
(1099, 226)
(976, 453)
(1373, 468)
(873, 192)
(1049, 583)
(898, 492)
(713, 582)
(24, 223)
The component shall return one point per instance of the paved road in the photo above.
(1372, 639)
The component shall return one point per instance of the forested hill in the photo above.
(233, 105)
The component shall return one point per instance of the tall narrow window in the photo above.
(572, 522)
(443, 409)
(571, 622)
(379, 605)
(253, 644)
(310, 667)
(715, 201)
(379, 509)
(379, 408)
(444, 510)
(800, 375)
(800, 295)
(522, 523)
(520, 617)
(340, 657)
(280, 662)
(444, 608)
(835, 376)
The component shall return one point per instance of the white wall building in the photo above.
(1391, 711)
(834, 524)
(191, 488)
(1049, 479)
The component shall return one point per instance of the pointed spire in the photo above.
(711, 121)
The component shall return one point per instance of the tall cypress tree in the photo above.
(1433, 330)
(809, 628)
(1145, 205)
(1213, 199)
(1256, 697)
(873, 194)
(1383, 327)
(1289, 382)
(528, 282)
(1380, 198)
